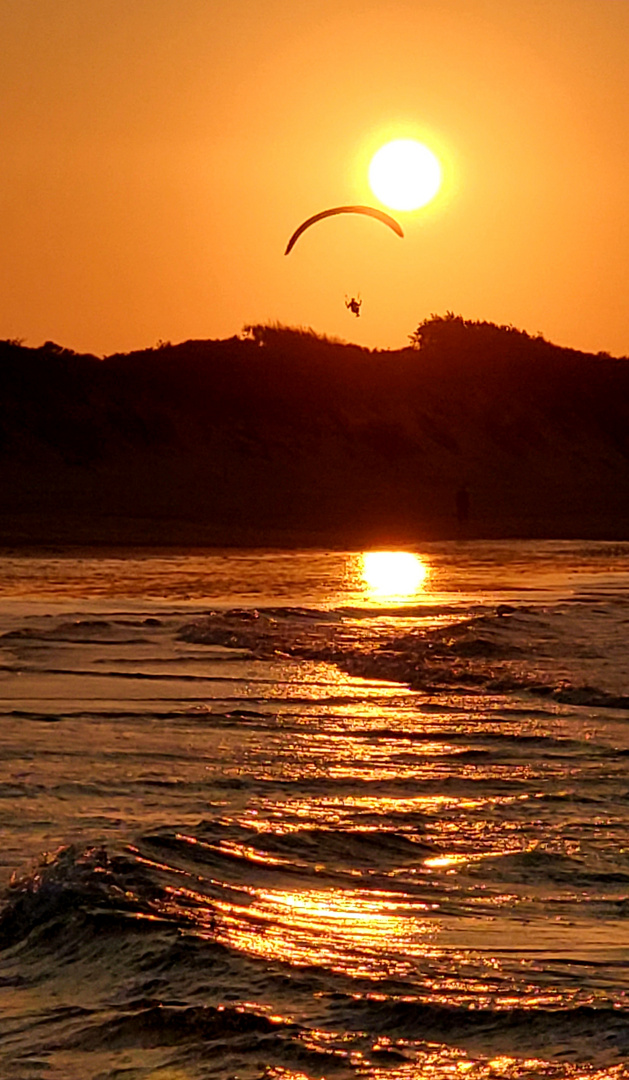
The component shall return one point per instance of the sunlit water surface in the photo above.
(315, 814)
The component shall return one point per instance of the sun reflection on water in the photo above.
(364, 934)
(392, 575)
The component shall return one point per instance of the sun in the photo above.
(404, 174)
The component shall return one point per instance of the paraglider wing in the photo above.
(371, 211)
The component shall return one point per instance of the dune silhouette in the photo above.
(282, 436)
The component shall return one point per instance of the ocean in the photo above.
(294, 815)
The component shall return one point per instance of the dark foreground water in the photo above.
(297, 815)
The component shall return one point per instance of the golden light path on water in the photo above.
(350, 931)
(397, 797)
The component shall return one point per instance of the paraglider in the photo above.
(353, 305)
(370, 211)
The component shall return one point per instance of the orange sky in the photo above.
(157, 154)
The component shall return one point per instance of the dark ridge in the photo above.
(282, 437)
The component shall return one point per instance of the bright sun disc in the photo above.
(404, 174)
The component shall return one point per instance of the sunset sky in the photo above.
(158, 154)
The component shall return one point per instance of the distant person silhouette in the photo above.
(353, 306)
(462, 502)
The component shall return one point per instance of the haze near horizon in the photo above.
(158, 155)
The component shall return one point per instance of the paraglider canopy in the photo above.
(370, 211)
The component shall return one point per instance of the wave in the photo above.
(571, 654)
(73, 882)
(86, 632)
(167, 1025)
(544, 868)
(573, 1034)
(407, 1026)
(358, 902)
(140, 934)
(506, 651)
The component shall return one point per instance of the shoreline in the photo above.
(23, 535)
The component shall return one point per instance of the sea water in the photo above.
(302, 814)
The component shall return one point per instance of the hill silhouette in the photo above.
(285, 437)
